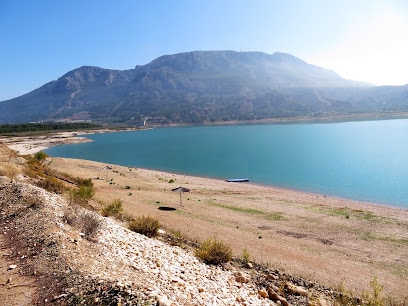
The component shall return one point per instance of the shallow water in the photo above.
(365, 160)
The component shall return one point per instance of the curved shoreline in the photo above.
(25, 145)
(303, 233)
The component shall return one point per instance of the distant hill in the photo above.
(202, 86)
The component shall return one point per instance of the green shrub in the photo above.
(80, 196)
(214, 252)
(35, 168)
(85, 192)
(51, 184)
(40, 156)
(84, 182)
(115, 209)
(145, 225)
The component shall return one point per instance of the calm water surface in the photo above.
(366, 160)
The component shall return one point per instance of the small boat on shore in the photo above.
(238, 180)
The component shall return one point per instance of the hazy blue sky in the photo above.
(365, 40)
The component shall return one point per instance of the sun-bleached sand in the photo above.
(323, 239)
(26, 145)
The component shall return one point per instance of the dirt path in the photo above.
(15, 289)
(326, 240)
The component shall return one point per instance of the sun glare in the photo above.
(374, 51)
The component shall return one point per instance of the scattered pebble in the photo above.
(11, 267)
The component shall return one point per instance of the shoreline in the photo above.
(302, 233)
(26, 145)
(31, 144)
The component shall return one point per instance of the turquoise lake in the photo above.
(362, 160)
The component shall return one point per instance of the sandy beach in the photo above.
(322, 239)
(25, 145)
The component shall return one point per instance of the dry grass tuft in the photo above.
(84, 220)
(115, 209)
(214, 252)
(145, 225)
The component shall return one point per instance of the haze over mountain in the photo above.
(203, 86)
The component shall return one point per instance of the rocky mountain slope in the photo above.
(202, 86)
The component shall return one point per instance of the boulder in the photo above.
(263, 293)
(297, 290)
(276, 297)
(242, 278)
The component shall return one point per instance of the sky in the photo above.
(362, 40)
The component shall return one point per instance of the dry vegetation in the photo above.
(261, 228)
(308, 235)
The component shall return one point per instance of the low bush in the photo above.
(84, 182)
(115, 209)
(84, 192)
(214, 252)
(175, 237)
(376, 297)
(35, 168)
(90, 225)
(51, 184)
(145, 225)
(40, 156)
(85, 221)
(71, 215)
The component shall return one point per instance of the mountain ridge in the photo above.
(202, 86)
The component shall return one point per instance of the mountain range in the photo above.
(200, 87)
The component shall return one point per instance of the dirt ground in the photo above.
(15, 289)
(326, 240)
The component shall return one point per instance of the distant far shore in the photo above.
(25, 145)
(42, 140)
(318, 119)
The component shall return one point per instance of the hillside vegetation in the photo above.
(12, 129)
(201, 87)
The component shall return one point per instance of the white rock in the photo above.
(162, 300)
(11, 267)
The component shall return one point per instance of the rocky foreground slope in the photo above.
(74, 255)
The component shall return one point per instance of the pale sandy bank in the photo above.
(323, 239)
